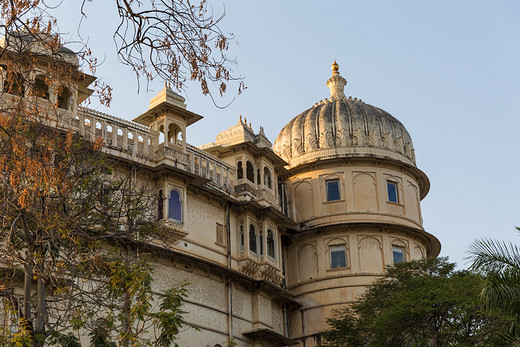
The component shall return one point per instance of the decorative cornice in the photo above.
(360, 213)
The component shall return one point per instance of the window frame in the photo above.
(240, 170)
(253, 242)
(271, 244)
(339, 248)
(403, 253)
(328, 190)
(267, 177)
(250, 171)
(180, 220)
(395, 185)
(63, 98)
(41, 88)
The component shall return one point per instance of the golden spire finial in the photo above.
(250, 125)
(335, 67)
(336, 84)
(240, 118)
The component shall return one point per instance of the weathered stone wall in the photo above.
(363, 195)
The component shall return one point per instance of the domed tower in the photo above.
(355, 193)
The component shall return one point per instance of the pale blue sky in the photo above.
(448, 70)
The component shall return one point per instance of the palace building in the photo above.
(271, 237)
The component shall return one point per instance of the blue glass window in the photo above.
(338, 256)
(333, 190)
(175, 206)
(392, 191)
(398, 254)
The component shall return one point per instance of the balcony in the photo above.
(246, 191)
(132, 141)
(218, 172)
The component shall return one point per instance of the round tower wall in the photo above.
(358, 192)
(322, 281)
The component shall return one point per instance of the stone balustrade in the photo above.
(218, 172)
(119, 134)
(138, 142)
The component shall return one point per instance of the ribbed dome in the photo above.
(343, 128)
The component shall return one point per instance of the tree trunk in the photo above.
(42, 307)
(126, 324)
(27, 291)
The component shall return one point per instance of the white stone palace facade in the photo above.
(272, 238)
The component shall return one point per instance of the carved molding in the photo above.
(367, 237)
(364, 212)
(371, 174)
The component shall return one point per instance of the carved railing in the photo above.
(118, 134)
(219, 173)
(134, 140)
(176, 155)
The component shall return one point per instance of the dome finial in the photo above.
(335, 67)
(336, 84)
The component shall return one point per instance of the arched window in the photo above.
(13, 84)
(270, 244)
(41, 89)
(175, 206)
(250, 171)
(267, 177)
(64, 98)
(174, 134)
(252, 238)
(161, 134)
(240, 170)
(261, 242)
(160, 206)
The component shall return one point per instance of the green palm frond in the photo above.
(501, 293)
(494, 256)
(499, 262)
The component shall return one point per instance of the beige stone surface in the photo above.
(237, 190)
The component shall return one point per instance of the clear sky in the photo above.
(448, 70)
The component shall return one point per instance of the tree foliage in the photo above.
(72, 227)
(173, 40)
(499, 262)
(419, 303)
(74, 224)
